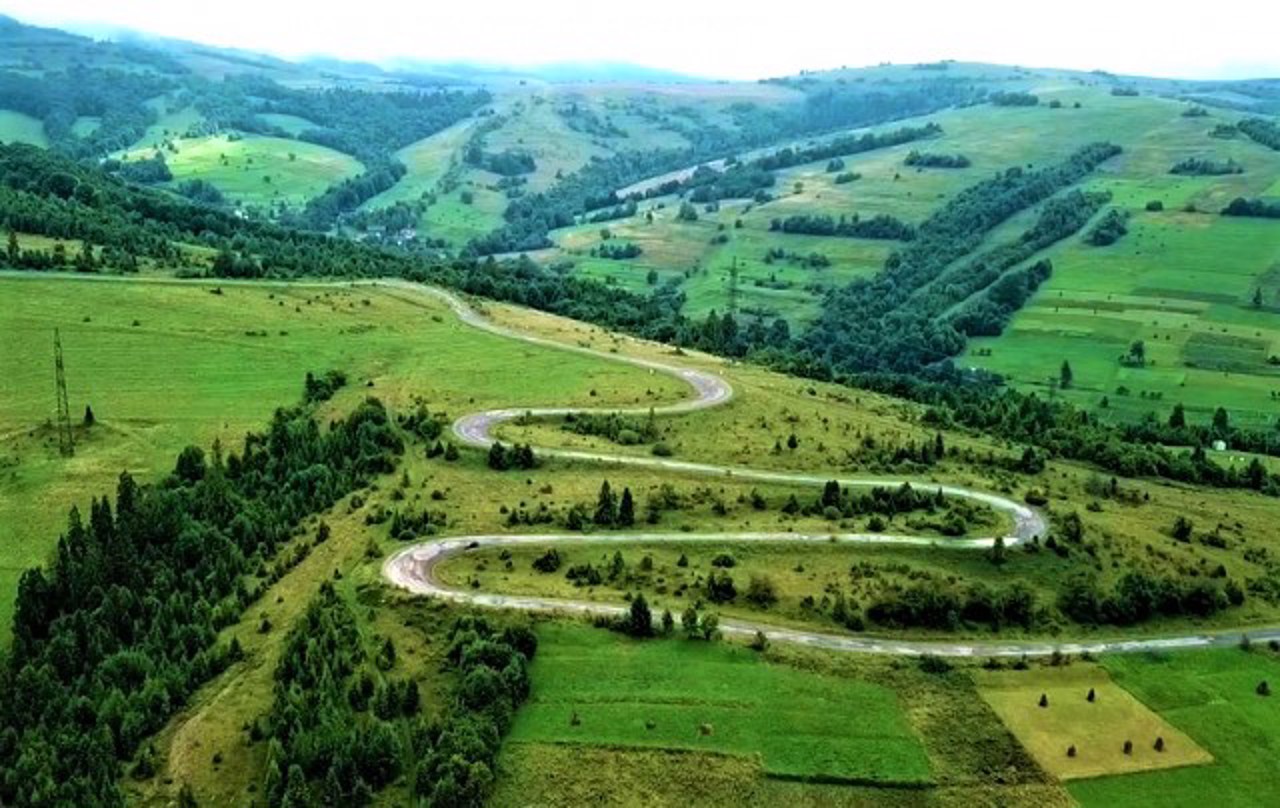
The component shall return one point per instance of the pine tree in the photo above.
(1065, 376)
(1257, 298)
(498, 460)
(626, 509)
(1221, 421)
(1178, 418)
(606, 506)
(13, 252)
(89, 419)
(640, 618)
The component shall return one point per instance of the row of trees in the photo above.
(1257, 208)
(878, 324)
(933, 160)
(1205, 167)
(1112, 227)
(880, 226)
(1262, 131)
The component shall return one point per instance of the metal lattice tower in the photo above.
(66, 443)
(733, 287)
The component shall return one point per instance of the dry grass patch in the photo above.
(1097, 729)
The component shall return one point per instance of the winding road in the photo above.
(414, 568)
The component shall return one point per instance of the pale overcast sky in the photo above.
(742, 39)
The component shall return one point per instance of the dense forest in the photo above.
(59, 99)
(342, 726)
(117, 631)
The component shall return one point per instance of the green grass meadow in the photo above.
(664, 694)
(426, 162)
(164, 365)
(16, 127)
(258, 170)
(1211, 696)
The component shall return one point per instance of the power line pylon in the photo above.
(66, 443)
(733, 287)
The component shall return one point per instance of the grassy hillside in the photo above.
(18, 128)
(226, 375)
(255, 170)
(227, 361)
(1184, 279)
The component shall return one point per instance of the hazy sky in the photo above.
(740, 39)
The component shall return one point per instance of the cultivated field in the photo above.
(690, 695)
(1096, 729)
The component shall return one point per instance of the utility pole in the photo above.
(66, 443)
(733, 286)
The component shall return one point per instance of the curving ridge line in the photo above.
(414, 568)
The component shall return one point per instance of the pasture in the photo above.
(257, 170)
(691, 695)
(165, 365)
(427, 161)
(1182, 283)
(1211, 696)
(1097, 730)
(16, 127)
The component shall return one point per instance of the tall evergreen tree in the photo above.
(626, 509)
(606, 506)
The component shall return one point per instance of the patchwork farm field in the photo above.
(689, 695)
(1212, 697)
(1183, 284)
